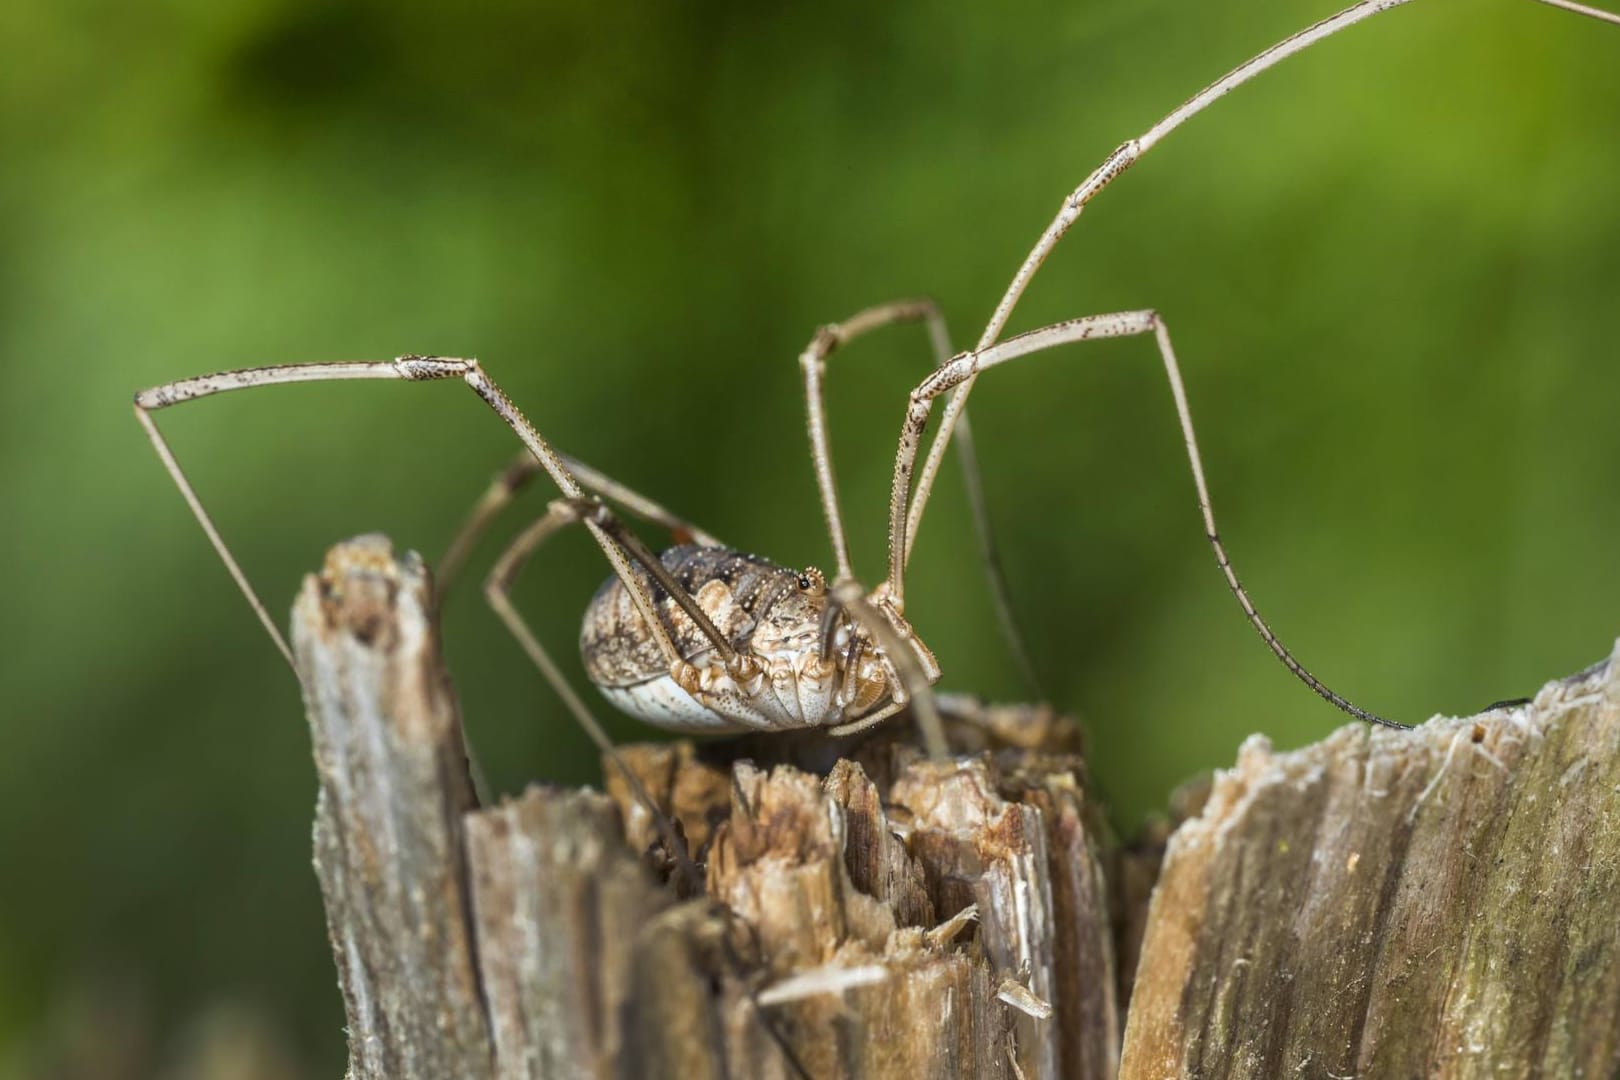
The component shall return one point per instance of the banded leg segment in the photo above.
(617, 544)
(969, 365)
(813, 363)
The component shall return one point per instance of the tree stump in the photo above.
(1441, 902)
(1382, 903)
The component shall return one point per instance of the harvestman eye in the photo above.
(682, 639)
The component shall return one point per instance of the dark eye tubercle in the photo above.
(811, 581)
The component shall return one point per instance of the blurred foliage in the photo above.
(1389, 266)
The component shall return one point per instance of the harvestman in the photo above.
(705, 637)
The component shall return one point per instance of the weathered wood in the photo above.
(558, 898)
(895, 917)
(1440, 902)
(862, 948)
(389, 848)
(1444, 902)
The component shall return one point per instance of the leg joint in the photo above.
(434, 367)
(587, 508)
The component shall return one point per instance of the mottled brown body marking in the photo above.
(734, 589)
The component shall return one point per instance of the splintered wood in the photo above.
(1432, 903)
(895, 917)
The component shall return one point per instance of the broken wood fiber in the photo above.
(1429, 903)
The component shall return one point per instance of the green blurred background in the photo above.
(1390, 268)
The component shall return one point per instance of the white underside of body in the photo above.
(664, 704)
(783, 703)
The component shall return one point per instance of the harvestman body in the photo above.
(707, 638)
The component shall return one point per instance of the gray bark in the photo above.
(1433, 903)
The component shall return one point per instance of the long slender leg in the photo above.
(1121, 324)
(1117, 162)
(619, 545)
(990, 558)
(813, 362)
(497, 589)
(516, 476)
